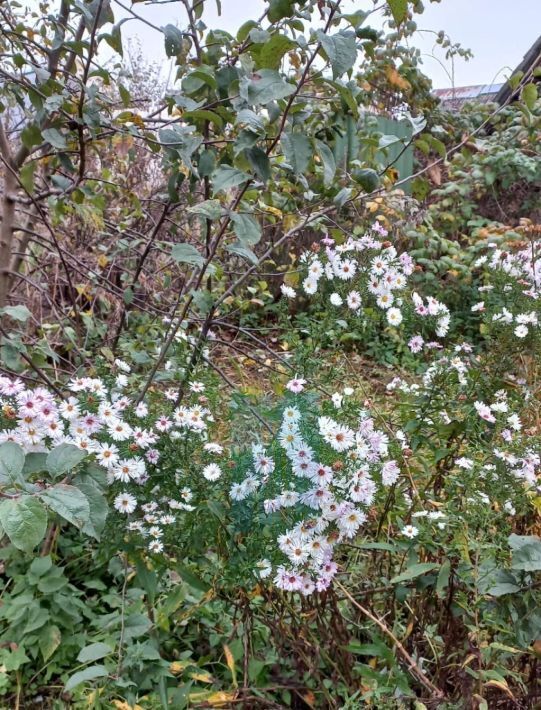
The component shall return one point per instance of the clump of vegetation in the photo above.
(269, 430)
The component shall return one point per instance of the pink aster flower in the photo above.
(296, 385)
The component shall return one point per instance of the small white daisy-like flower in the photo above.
(336, 299)
(125, 503)
(394, 316)
(287, 291)
(212, 472)
(410, 531)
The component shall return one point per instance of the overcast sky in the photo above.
(498, 32)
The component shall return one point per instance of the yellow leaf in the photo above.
(396, 79)
(215, 699)
(123, 705)
(469, 659)
(179, 666)
(501, 685)
(230, 663)
(102, 261)
(272, 210)
(202, 677)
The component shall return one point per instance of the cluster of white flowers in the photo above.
(324, 503)
(369, 267)
(521, 274)
(118, 433)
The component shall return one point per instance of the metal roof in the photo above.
(462, 93)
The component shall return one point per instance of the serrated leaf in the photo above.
(93, 652)
(24, 521)
(54, 137)
(245, 252)
(327, 159)
(259, 162)
(19, 313)
(247, 228)
(278, 9)
(98, 509)
(297, 149)
(341, 49)
(414, 571)
(399, 10)
(69, 502)
(225, 177)
(264, 86)
(210, 209)
(173, 40)
(529, 95)
(31, 135)
(272, 52)
(187, 254)
(49, 640)
(90, 673)
(64, 458)
(11, 464)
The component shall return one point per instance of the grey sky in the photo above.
(497, 31)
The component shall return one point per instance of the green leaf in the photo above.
(367, 178)
(399, 10)
(225, 177)
(259, 162)
(54, 137)
(414, 571)
(501, 582)
(11, 464)
(31, 136)
(203, 115)
(173, 40)
(64, 458)
(246, 253)
(136, 625)
(98, 509)
(210, 209)
(190, 578)
(341, 49)
(529, 95)
(247, 228)
(87, 674)
(265, 85)
(49, 640)
(93, 652)
(19, 313)
(278, 9)
(346, 95)
(69, 502)
(187, 254)
(297, 149)
(24, 521)
(41, 565)
(272, 52)
(327, 159)
(527, 556)
(15, 659)
(443, 578)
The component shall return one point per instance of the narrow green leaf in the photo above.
(90, 673)
(414, 571)
(93, 652)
